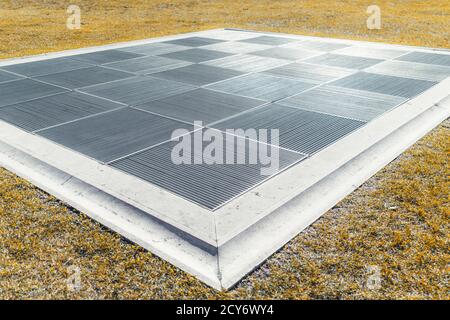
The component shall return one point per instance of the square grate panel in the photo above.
(57, 109)
(342, 102)
(236, 47)
(198, 74)
(147, 65)
(309, 72)
(299, 130)
(371, 52)
(22, 90)
(247, 63)
(396, 86)
(269, 40)
(6, 76)
(114, 134)
(201, 105)
(107, 56)
(39, 68)
(413, 70)
(317, 45)
(84, 77)
(137, 90)
(196, 55)
(262, 86)
(153, 49)
(193, 41)
(209, 185)
(428, 58)
(285, 53)
(342, 61)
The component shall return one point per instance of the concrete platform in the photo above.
(221, 244)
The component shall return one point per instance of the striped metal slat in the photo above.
(300, 130)
(23, 90)
(209, 185)
(396, 86)
(114, 134)
(343, 102)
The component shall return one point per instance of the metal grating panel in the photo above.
(299, 130)
(396, 86)
(153, 49)
(54, 110)
(262, 86)
(308, 72)
(316, 45)
(193, 41)
(147, 65)
(198, 74)
(371, 52)
(196, 55)
(285, 53)
(107, 56)
(231, 35)
(359, 105)
(137, 90)
(428, 58)
(6, 76)
(84, 77)
(412, 70)
(114, 134)
(236, 47)
(247, 63)
(338, 60)
(269, 40)
(202, 105)
(40, 68)
(209, 185)
(22, 90)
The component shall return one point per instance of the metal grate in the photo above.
(197, 74)
(268, 40)
(262, 86)
(343, 102)
(342, 61)
(412, 70)
(193, 41)
(147, 65)
(23, 90)
(137, 90)
(114, 134)
(6, 76)
(107, 56)
(54, 110)
(209, 185)
(396, 86)
(299, 130)
(202, 105)
(247, 63)
(308, 72)
(84, 77)
(196, 55)
(429, 58)
(40, 68)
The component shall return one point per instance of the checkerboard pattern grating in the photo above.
(120, 107)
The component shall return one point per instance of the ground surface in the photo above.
(397, 223)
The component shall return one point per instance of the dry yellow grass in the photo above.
(397, 221)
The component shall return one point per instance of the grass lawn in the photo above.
(397, 222)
